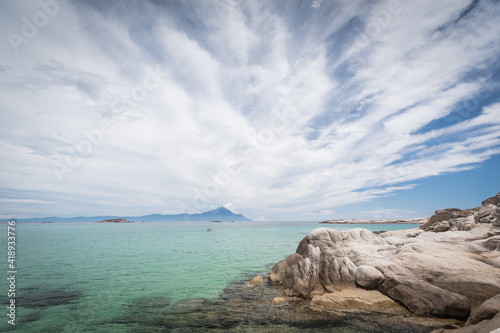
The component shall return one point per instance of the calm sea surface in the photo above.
(92, 277)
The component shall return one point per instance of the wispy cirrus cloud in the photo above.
(278, 110)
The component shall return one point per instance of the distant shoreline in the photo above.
(398, 221)
(115, 221)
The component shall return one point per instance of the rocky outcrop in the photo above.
(463, 220)
(451, 219)
(450, 267)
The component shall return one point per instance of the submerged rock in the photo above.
(257, 281)
(243, 309)
(36, 297)
(277, 301)
(450, 267)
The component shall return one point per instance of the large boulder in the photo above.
(423, 298)
(368, 277)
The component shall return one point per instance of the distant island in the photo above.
(219, 214)
(115, 221)
(354, 221)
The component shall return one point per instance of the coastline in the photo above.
(390, 221)
(250, 305)
(448, 267)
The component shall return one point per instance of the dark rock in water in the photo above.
(256, 281)
(485, 326)
(146, 310)
(243, 308)
(450, 267)
(41, 298)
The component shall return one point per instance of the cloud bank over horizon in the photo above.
(275, 109)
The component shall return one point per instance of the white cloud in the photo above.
(252, 107)
(320, 213)
(231, 207)
(316, 3)
(27, 201)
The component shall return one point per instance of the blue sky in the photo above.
(279, 110)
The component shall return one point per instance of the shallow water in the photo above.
(156, 277)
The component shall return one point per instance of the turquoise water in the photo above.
(81, 277)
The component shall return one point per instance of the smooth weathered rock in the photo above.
(443, 273)
(425, 299)
(257, 281)
(368, 277)
(493, 243)
(356, 299)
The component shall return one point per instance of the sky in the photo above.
(278, 110)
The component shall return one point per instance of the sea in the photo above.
(156, 277)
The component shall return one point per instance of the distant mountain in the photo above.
(219, 214)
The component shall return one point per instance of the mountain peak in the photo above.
(223, 214)
(221, 209)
